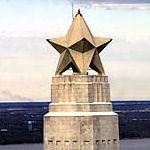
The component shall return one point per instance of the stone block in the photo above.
(80, 115)
(86, 131)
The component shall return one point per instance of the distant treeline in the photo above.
(23, 122)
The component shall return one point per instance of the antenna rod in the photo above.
(72, 11)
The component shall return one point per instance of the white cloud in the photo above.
(26, 64)
(128, 80)
(141, 39)
(8, 95)
(110, 6)
(29, 87)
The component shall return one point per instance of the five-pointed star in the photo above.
(79, 49)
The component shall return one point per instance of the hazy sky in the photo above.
(27, 61)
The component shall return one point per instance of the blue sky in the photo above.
(27, 61)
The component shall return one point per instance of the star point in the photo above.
(79, 49)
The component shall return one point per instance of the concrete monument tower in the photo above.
(80, 115)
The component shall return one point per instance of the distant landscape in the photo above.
(22, 122)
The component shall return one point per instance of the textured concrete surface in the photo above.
(80, 89)
(94, 132)
(81, 116)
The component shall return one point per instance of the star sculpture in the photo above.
(79, 49)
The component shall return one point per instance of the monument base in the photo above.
(81, 131)
(80, 115)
